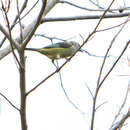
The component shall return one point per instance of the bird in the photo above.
(58, 50)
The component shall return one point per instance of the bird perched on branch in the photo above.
(58, 50)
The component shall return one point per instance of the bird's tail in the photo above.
(32, 49)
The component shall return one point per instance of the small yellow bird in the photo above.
(58, 50)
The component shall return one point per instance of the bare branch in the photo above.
(96, 4)
(115, 25)
(5, 52)
(56, 38)
(108, 74)
(19, 18)
(100, 73)
(66, 95)
(101, 9)
(12, 26)
(97, 90)
(122, 106)
(95, 96)
(77, 6)
(120, 123)
(28, 11)
(87, 39)
(4, 31)
(50, 5)
(36, 24)
(90, 54)
(10, 36)
(128, 61)
(49, 76)
(100, 105)
(71, 18)
(28, 28)
(89, 91)
(126, 46)
(50, 38)
(9, 102)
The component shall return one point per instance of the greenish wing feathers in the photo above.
(52, 50)
(59, 45)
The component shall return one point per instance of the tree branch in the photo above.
(28, 11)
(12, 44)
(49, 76)
(27, 29)
(126, 46)
(107, 75)
(9, 102)
(71, 18)
(7, 50)
(83, 8)
(36, 24)
(6, 33)
(95, 96)
(66, 95)
(96, 4)
(100, 73)
(22, 70)
(16, 18)
(120, 123)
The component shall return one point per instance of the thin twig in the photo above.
(95, 96)
(66, 95)
(122, 106)
(104, 60)
(36, 24)
(114, 26)
(28, 11)
(87, 39)
(120, 123)
(16, 18)
(28, 28)
(100, 105)
(9, 102)
(97, 5)
(126, 46)
(20, 24)
(90, 54)
(10, 37)
(89, 91)
(97, 90)
(77, 6)
(50, 38)
(5, 53)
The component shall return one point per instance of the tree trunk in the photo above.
(22, 90)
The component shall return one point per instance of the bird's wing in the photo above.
(59, 45)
